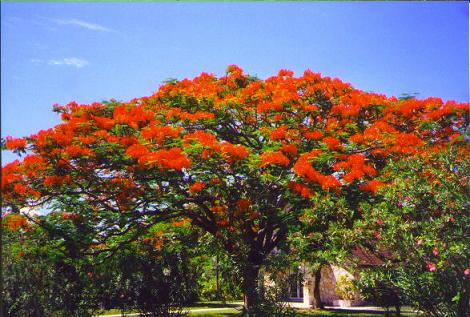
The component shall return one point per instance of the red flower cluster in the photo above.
(20, 189)
(173, 158)
(356, 167)
(134, 116)
(54, 180)
(218, 208)
(15, 144)
(243, 204)
(69, 215)
(204, 138)
(233, 152)
(229, 151)
(276, 158)
(15, 221)
(406, 143)
(180, 223)
(15, 178)
(104, 123)
(303, 190)
(32, 165)
(222, 222)
(304, 169)
(379, 130)
(289, 149)
(10, 175)
(269, 106)
(372, 186)
(76, 151)
(314, 135)
(158, 134)
(86, 139)
(278, 133)
(332, 143)
(430, 266)
(199, 115)
(196, 187)
(177, 113)
(137, 150)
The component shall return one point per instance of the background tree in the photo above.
(152, 275)
(41, 276)
(239, 157)
(323, 238)
(421, 226)
(218, 275)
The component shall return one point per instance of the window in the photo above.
(296, 287)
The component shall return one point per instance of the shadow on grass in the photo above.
(323, 313)
(356, 311)
(331, 312)
(215, 305)
(214, 314)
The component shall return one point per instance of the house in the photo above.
(335, 282)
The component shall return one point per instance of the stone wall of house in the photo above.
(327, 285)
(329, 276)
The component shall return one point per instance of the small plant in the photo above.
(378, 288)
(271, 303)
(345, 288)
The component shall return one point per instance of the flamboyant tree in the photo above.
(236, 156)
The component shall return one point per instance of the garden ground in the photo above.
(218, 309)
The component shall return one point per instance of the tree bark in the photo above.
(250, 286)
(317, 304)
(217, 285)
(398, 310)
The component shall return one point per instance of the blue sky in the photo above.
(85, 52)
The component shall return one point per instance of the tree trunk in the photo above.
(217, 285)
(317, 304)
(250, 286)
(398, 310)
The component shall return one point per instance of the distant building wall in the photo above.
(329, 276)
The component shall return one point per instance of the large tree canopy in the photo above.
(236, 156)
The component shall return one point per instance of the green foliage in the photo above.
(213, 263)
(420, 227)
(345, 288)
(45, 275)
(377, 287)
(156, 282)
(271, 302)
(39, 280)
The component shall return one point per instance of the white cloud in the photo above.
(83, 24)
(71, 61)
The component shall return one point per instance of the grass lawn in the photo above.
(217, 313)
(215, 304)
(347, 313)
(230, 310)
(303, 313)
